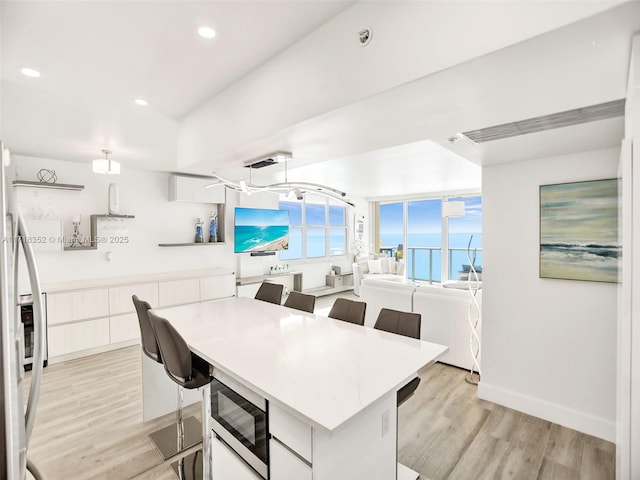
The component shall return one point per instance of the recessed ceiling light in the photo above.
(142, 102)
(206, 31)
(30, 72)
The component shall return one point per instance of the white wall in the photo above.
(143, 194)
(548, 346)
(157, 220)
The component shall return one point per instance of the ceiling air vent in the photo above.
(272, 159)
(592, 113)
(261, 163)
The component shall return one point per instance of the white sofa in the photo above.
(379, 267)
(444, 313)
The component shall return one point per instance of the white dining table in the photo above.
(323, 371)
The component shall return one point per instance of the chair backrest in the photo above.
(301, 301)
(270, 292)
(402, 323)
(147, 337)
(175, 352)
(348, 310)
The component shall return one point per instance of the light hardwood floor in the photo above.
(89, 426)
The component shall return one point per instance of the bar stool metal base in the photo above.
(166, 439)
(191, 467)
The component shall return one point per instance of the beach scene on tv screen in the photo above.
(261, 230)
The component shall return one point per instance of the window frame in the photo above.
(327, 227)
(444, 250)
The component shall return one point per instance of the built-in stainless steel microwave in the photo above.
(241, 423)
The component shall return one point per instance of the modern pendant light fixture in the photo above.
(106, 165)
(293, 189)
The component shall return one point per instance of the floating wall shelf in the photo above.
(93, 245)
(193, 244)
(58, 186)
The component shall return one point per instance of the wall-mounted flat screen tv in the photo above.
(260, 230)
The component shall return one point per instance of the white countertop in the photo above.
(325, 371)
(131, 279)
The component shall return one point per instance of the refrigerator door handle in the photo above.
(38, 328)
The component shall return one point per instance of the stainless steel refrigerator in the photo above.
(16, 418)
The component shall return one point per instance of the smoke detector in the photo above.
(364, 36)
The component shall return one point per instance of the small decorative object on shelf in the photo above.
(76, 239)
(114, 199)
(213, 228)
(47, 176)
(199, 235)
(473, 283)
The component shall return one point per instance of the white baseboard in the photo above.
(567, 417)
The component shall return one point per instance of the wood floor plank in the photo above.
(89, 426)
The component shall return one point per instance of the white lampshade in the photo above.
(453, 209)
(109, 167)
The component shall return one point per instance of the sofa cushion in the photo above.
(384, 276)
(375, 266)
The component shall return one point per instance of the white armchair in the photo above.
(378, 267)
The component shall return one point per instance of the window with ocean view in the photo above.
(463, 230)
(414, 231)
(317, 228)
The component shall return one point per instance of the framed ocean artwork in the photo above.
(579, 231)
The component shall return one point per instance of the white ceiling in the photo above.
(96, 57)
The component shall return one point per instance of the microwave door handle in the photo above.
(38, 328)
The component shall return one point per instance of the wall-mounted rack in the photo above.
(192, 244)
(93, 244)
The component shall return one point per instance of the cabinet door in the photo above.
(120, 297)
(75, 337)
(227, 465)
(79, 305)
(284, 465)
(178, 292)
(124, 327)
(219, 286)
(292, 432)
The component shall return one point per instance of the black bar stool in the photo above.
(270, 292)
(188, 371)
(301, 301)
(348, 311)
(401, 323)
(167, 440)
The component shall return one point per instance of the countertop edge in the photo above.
(53, 287)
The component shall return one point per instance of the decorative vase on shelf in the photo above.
(199, 235)
(213, 228)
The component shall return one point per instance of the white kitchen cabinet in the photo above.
(79, 309)
(192, 189)
(120, 297)
(227, 464)
(284, 465)
(74, 337)
(178, 292)
(66, 307)
(219, 286)
(124, 328)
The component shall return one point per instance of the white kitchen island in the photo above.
(330, 385)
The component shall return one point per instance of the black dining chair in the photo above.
(270, 292)
(301, 301)
(401, 323)
(348, 311)
(167, 440)
(188, 371)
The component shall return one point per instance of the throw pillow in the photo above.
(388, 265)
(375, 266)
